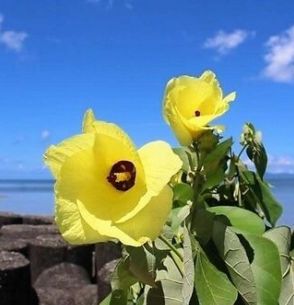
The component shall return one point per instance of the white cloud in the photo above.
(11, 39)
(45, 134)
(109, 4)
(224, 42)
(276, 164)
(281, 164)
(280, 57)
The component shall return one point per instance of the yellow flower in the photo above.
(107, 190)
(190, 103)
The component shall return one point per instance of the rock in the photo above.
(49, 250)
(86, 295)
(107, 255)
(14, 245)
(54, 296)
(82, 256)
(64, 275)
(44, 252)
(9, 218)
(27, 231)
(37, 220)
(15, 288)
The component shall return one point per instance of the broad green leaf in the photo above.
(188, 271)
(263, 196)
(207, 141)
(142, 265)
(256, 152)
(106, 301)
(266, 269)
(183, 193)
(122, 278)
(287, 292)
(281, 237)
(212, 286)
(116, 297)
(215, 164)
(169, 286)
(183, 152)
(203, 224)
(234, 255)
(178, 215)
(242, 219)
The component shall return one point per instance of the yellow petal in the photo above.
(89, 119)
(230, 97)
(72, 226)
(55, 156)
(160, 164)
(148, 223)
(180, 130)
(105, 228)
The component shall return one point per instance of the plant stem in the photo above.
(175, 260)
(172, 247)
(241, 152)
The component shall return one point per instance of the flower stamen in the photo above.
(122, 175)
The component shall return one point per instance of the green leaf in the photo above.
(281, 236)
(257, 154)
(203, 224)
(183, 192)
(212, 286)
(169, 286)
(183, 152)
(287, 292)
(188, 278)
(178, 215)
(116, 297)
(215, 164)
(142, 265)
(242, 219)
(122, 278)
(266, 269)
(233, 253)
(263, 196)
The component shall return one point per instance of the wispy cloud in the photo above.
(11, 39)
(109, 4)
(276, 164)
(280, 57)
(224, 42)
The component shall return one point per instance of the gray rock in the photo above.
(87, 295)
(64, 275)
(9, 218)
(54, 296)
(15, 288)
(27, 231)
(37, 220)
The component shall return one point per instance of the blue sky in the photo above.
(58, 58)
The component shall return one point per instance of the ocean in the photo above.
(36, 196)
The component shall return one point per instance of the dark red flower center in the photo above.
(122, 175)
(197, 113)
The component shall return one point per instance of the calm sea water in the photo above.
(36, 197)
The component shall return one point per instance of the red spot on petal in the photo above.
(197, 113)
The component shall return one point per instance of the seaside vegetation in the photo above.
(196, 224)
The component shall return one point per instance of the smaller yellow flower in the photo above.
(106, 189)
(190, 103)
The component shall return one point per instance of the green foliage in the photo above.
(220, 244)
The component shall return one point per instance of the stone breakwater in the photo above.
(37, 267)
